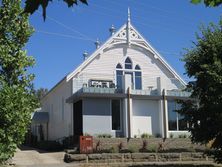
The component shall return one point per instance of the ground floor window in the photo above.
(116, 108)
(176, 121)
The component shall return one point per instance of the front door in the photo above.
(77, 117)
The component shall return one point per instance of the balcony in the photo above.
(100, 90)
(178, 93)
(145, 92)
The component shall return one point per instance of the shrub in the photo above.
(152, 148)
(133, 149)
(171, 135)
(157, 135)
(182, 136)
(104, 135)
(113, 150)
(146, 135)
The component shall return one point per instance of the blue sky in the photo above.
(58, 43)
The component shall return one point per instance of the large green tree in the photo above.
(203, 63)
(209, 3)
(33, 5)
(17, 100)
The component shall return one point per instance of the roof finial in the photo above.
(128, 15)
(128, 27)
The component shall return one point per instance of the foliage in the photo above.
(210, 3)
(182, 136)
(203, 62)
(104, 135)
(133, 149)
(32, 5)
(17, 100)
(171, 135)
(146, 135)
(40, 93)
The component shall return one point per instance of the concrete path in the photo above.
(30, 157)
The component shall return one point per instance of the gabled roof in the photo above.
(127, 34)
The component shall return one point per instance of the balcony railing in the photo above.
(100, 90)
(145, 92)
(178, 93)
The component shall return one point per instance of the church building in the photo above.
(124, 88)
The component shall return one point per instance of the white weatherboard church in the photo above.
(125, 88)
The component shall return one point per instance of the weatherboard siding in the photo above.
(103, 66)
(60, 117)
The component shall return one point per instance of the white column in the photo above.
(127, 106)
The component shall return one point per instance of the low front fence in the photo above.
(136, 157)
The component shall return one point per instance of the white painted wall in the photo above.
(145, 117)
(104, 67)
(97, 117)
(60, 117)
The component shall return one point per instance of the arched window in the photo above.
(138, 77)
(137, 67)
(119, 76)
(128, 63)
(119, 66)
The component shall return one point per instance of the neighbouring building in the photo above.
(124, 88)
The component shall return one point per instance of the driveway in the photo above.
(31, 157)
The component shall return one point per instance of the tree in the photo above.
(209, 3)
(40, 93)
(33, 5)
(17, 100)
(203, 63)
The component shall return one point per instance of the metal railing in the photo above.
(99, 90)
(145, 92)
(178, 93)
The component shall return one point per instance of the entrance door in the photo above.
(77, 114)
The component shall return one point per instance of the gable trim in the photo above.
(108, 44)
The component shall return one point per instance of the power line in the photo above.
(162, 10)
(140, 17)
(61, 35)
(138, 22)
(155, 8)
(68, 27)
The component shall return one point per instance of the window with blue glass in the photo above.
(128, 63)
(137, 67)
(136, 74)
(119, 79)
(119, 66)
(138, 80)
